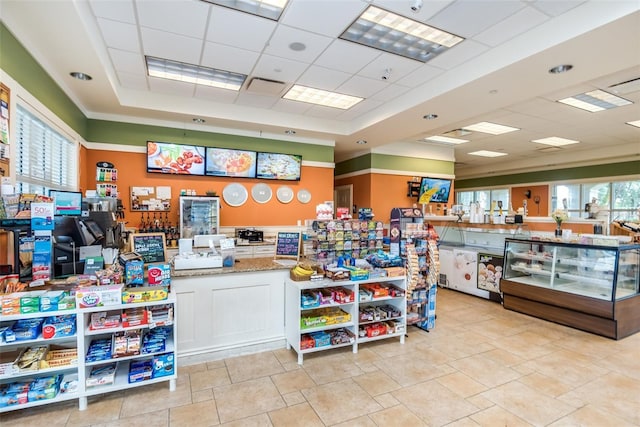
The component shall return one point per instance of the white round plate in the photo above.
(284, 194)
(235, 194)
(304, 196)
(261, 193)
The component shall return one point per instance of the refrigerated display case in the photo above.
(590, 287)
(199, 215)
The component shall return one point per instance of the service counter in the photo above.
(230, 311)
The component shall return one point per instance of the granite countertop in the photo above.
(241, 266)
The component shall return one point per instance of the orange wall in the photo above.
(384, 192)
(132, 173)
(542, 191)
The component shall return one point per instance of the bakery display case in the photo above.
(589, 287)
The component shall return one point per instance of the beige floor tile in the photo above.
(485, 370)
(188, 369)
(409, 370)
(545, 384)
(100, 409)
(149, 399)
(292, 381)
(214, 364)
(297, 415)
(209, 378)
(248, 398)
(590, 416)
(261, 420)
(527, 403)
(152, 419)
(322, 373)
(339, 401)
(197, 414)
(462, 345)
(293, 398)
(398, 415)
(497, 416)
(625, 362)
(55, 415)
(202, 395)
(376, 383)
(253, 366)
(461, 384)
(568, 367)
(463, 422)
(386, 400)
(435, 404)
(363, 421)
(286, 356)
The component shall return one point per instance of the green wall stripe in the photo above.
(24, 69)
(394, 163)
(137, 135)
(583, 172)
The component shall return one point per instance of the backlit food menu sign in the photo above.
(288, 244)
(163, 157)
(227, 162)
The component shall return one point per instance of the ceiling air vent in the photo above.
(265, 86)
(629, 86)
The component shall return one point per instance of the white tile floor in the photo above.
(481, 366)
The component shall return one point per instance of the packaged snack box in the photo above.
(144, 294)
(99, 296)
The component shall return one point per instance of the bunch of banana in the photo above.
(304, 269)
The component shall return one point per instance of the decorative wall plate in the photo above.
(261, 193)
(284, 194)
(304, 196)
(235, 194)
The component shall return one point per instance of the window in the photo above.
(45, 159)
(620, 200)
(484, 197)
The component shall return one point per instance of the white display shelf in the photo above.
(39, 372)
(335, 304)
(362, 340)
(121, 380)
(92, 332)
(325, 347)
(169, 348)
(36, 315)
(326, 327)
(61, 397)
(38, 340)
(368, 322)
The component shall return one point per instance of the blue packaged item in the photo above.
(163, 365)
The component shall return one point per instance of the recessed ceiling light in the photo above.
(446, 139)
(560, 69)
(198, 120)
(80, 76)
(635, 123)
(270, 9)
(430, 116)
(486, 153)
(361, 141)
(555, 141)
(321, 97)
(189, 73)
(290, 132)
(386, 31)
(490, 128)
(594, 101)
(297, 46)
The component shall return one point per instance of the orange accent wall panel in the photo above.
(537, 191)
(132, 173)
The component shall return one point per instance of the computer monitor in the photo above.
(68, 203)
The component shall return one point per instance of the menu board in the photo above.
(150, 246)
(227, 162)
(288, 244)
(278, 166)
(163, 157)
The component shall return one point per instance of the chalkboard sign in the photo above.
(150, 246)
(288, 244)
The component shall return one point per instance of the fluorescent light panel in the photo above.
(594, 101)
(270, 9)
(490, 128)
(486, 153)
(635, 123)
(555, 141)
(321, 97)
(383, 30)
(446, 139)
(188, 73)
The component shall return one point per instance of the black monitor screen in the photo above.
(434, 190)
(279, 166)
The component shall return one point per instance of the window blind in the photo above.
(44, 158)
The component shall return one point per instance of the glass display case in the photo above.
(590, 287)
(199, 215)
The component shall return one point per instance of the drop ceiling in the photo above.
(499, 73)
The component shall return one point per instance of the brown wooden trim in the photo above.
(564, 316)
(627, 315)
(574, 302)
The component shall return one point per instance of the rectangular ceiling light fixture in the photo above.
(635, 123)
(490, 128)
(383, 30)
(188, 73)
(321, 97)
(486, 153)
(446, 139)
(594, 101)
(555, 141)
(270, 9)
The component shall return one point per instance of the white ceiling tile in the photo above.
(403, 7)
(360, 109)
(556, 7)
(171, 46)
(322, 17)
(323, 112)
(361, 86)
(347, 56)
(400, 67)
(188, 18)
(128, 62)
(323, 78)
(284, 36)
(256, 101)
(390, 93)
(171, 87)
(216, 94)
(119, 35)
(228, 58)
(122, 10)
(458, 54)
(468, 18)
(518, 23)
(420, 76)
(292, 107)
(132, 80)
(280, 69)
(239, 29)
